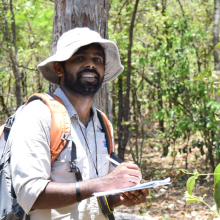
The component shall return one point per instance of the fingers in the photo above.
(141, 197)
(134, 197)
(145, 192)
(137, 193)
(131, 170)
(123, 176)
(131, 166)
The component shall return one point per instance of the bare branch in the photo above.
(27, 68)
(181, 6)
(148, 80)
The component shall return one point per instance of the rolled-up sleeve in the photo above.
(30, 153)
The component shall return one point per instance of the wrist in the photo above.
(78, 193)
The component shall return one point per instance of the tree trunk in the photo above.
(216, 35)
(120, 116)
(93, 14)
(215, 42)
(121, 147)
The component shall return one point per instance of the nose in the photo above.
(90, 64)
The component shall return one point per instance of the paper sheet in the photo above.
(137, 187)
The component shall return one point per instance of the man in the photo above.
(83, 62)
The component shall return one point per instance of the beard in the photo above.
(76, 86)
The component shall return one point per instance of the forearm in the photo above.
(57, 195)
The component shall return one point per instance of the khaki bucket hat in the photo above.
(70, 42)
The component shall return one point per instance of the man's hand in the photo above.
(123, 176)
(134, 197)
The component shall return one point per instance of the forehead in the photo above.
(97, 48)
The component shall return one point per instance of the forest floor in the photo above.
(168, 202)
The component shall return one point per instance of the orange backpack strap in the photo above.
(2, 142)
(1, 130)
(108, 127)
(60, 122)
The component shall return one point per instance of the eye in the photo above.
(79, 58)
(97, 59)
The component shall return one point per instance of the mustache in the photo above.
(87, 70)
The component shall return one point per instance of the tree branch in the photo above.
(181, 6)
(27, 68)
(149, 81)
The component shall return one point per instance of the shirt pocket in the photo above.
(103, 164)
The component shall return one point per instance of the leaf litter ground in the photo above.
(168, 202)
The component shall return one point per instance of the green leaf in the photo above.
(190, 184)
(184, 171)
(196, 173)
(217, 46)
(209, 125)
(217, 176)
(190, 198)
(217, 193)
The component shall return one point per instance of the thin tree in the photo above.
(124, 111)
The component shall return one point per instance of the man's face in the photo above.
(84, 71)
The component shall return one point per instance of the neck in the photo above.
(81, 104)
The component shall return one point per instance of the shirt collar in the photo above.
(71, 110)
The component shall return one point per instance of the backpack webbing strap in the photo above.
(106, 127)
(3, 138)
(4, 132)
(73, 167)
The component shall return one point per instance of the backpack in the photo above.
(59, 136)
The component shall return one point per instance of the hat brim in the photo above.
(112, 57)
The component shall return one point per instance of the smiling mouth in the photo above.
(88, 76)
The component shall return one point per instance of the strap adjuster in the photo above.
(64, 136)
(73, 167)
(17, 210)
(9, 123)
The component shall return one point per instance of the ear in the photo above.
(58, 69)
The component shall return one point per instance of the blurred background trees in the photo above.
(168, 93)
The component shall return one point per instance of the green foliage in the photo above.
(217, 186)
(33, 28)
(172, 65)
(190, 184)
(217, 194)
(190, 198)
(217, 46)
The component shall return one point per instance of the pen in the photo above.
(115, 162)
(112, 160)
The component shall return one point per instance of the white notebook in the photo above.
(137, 187)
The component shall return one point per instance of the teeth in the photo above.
(88, 75)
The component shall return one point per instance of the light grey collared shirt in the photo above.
(31, 166)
